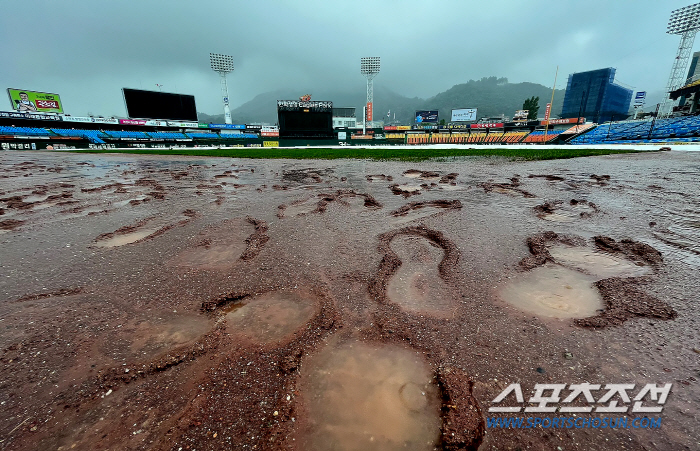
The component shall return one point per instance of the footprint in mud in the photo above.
(269, 317)
(361, 396)
(512, 188)
(415, 270)
(560, 212)
(319, 204)
(554, 292)
(568, 279)
(145, 229)
(164, 331)
(417, 210)
(405, 190)
(219, 247)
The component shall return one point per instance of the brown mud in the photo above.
(622, 296)
(180, 343)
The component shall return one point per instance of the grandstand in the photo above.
(678, 129)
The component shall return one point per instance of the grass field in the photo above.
(374, 153)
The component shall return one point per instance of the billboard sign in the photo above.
(640, 97)
(521, 115)
(463, 115)
(369, 111)
(34, 102)
(156, 105)
(547, 111)
(427, 116)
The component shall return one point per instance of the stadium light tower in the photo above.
(686, 23)
(369, 66)
(223, 64)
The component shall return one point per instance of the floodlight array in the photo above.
(221, 63)
(684, 19)
(369, 65)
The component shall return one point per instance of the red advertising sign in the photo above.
(572, 120)
(44, 104)
(493, 125)
(390, 127)
(369, 111)
(547, 111)
(132, 122)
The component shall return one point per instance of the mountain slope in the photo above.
(491, 96)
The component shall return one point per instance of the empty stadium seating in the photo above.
(24, 131)
(680, 129)
(538, 136)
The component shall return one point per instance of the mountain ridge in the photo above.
(491, 96)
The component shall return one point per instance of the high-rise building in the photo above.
(595, 96)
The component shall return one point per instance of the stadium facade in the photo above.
(596, 96)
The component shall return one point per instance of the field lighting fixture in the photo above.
(223, 64)
(686, 23)
(369, 67)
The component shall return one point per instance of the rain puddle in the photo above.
(596, 263)
(418, 213)
(363, 397)
(168, 331)
(406, 188)
(269, 317)
(417, 285)
(300, 208)
(555, 292)
(126, 238)
(569, 213)
(218, 248)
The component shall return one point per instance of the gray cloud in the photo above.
(88, 50)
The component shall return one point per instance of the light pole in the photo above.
(369, 67)
(223, 64)
(684, 22)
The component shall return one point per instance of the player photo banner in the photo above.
(25, 101)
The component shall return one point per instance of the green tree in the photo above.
(442, 121)
(533, 106)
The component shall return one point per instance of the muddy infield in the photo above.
(177, 303)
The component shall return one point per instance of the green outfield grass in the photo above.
(374, 153)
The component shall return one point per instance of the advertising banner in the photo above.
(492, 125)
(270, 133)
(271, 143)
(547, 111)
(34, 102)
(132, 122)
(43, 117)
(185, 124)
(94, 120)
(369, 111)
(426, 116)
(640, 97)
(228, 126)
(572, 120)
(463, 115)
(403, 127)
(458, 126)
(342, 135)
(390, 127)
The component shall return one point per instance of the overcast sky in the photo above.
(87, 50)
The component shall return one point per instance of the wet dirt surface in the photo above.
(222, 320)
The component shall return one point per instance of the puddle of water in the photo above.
(168, 331)
(301, 208)
(363, 397)
(409, 188)
(596, 263)
(269, 317)
(555, 292)
(417, 285)
(127, 238)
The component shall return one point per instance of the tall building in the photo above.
(595, 96)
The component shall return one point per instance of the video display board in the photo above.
(159, 105)
(427, 116)
(25, 101)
